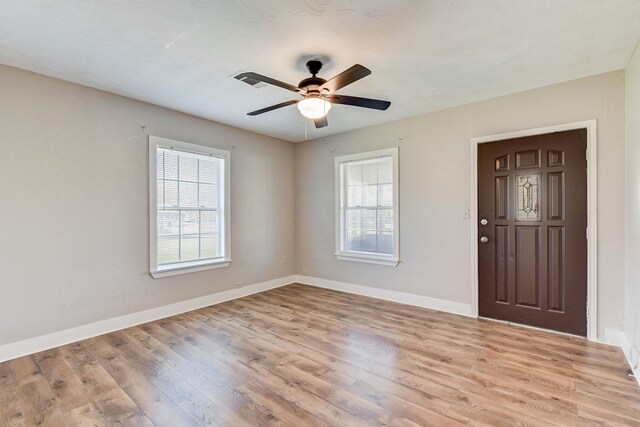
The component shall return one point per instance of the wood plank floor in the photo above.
(302, 356)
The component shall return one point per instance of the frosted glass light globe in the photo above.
(314, 108)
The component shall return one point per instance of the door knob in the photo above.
(484, 239)
(484, 221)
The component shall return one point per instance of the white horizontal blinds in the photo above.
(368, 205)
(189, 188)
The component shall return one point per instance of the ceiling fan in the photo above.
(317, 93)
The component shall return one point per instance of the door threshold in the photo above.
(507, 322)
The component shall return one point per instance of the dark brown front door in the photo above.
(532, 243)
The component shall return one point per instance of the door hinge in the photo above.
(587, 233)
(586, 154)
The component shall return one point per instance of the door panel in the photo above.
(502, 263)
(533, 267)
(528, 265)
(528, 159)
(555, 197)
(502, 197)
(556, 268)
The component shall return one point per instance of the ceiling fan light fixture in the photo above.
(314, 107)
(318, 94)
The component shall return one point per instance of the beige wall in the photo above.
(75, 218)
(73, 206)
(435, 168)
(632, 290)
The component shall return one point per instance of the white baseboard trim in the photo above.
(33, 345)
(56, 339)
(633, 357)
(385, 294)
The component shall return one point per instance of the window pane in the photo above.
(208, 171)
(354, 218)
(159, 164)
(370, 172)
(168, 223)
(354, 196)
(370, 195)
(168, 250)
(189, 248)
(385, 195)
(170, 164)
(190, 222)
(160, 193)
(208, 222)
(385, 220)
(354, 173)
(209, 246)
(170, 194)
(353, 238)
(369, 220)
(385, 170)
(188, 168)
(208, 196)
(188, 215)
(368, 205)
(188, 194)
(385, 242)
(368, 241)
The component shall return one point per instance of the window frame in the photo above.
(340, 211)
(224, 209)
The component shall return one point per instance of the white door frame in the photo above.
(592, 211)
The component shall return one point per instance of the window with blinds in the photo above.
(189, 206)
(367, 217)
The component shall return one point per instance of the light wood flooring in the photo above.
(302, 356)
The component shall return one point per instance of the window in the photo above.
(367, 204)
(189, 207)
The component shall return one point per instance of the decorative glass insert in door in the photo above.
(527, 198)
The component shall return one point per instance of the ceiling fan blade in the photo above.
(376, 104)
(273, 107)
(321, 122)
(254, 78)
(346, 77)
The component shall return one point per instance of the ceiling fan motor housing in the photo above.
(311, 84)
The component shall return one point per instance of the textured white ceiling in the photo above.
(425, 55)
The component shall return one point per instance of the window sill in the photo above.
(368, 258)
(187, 268)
